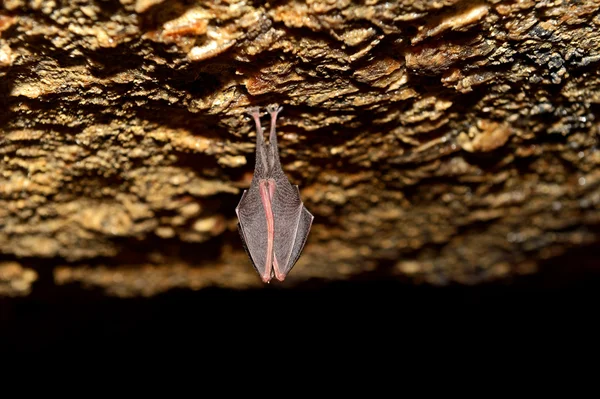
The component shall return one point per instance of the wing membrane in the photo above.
(304, 225)
(253, 227)
(290, 226)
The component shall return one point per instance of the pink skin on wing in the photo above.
(278, 274)
(274, 110)
(266, 188)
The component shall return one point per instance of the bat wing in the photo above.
(292, 225)
(253, 227)
(304, 225)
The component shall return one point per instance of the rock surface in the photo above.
(439, 141)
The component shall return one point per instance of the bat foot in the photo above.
(274, 109)
(253, 111)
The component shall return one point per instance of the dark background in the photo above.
(63, 318)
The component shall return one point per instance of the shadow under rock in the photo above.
(70, 317)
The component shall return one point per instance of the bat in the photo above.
(273, 222)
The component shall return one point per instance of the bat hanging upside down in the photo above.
(273, 221)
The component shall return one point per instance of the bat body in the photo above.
(273, 221)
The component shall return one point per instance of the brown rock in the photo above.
(435, 141)
(15, 280)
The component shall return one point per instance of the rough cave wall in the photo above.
(435, 140)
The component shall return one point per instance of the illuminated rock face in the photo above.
(439, 141)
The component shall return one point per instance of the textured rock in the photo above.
(443, 141)
(15, 280)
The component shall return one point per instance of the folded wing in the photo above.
(292, 225)
(253, 229)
